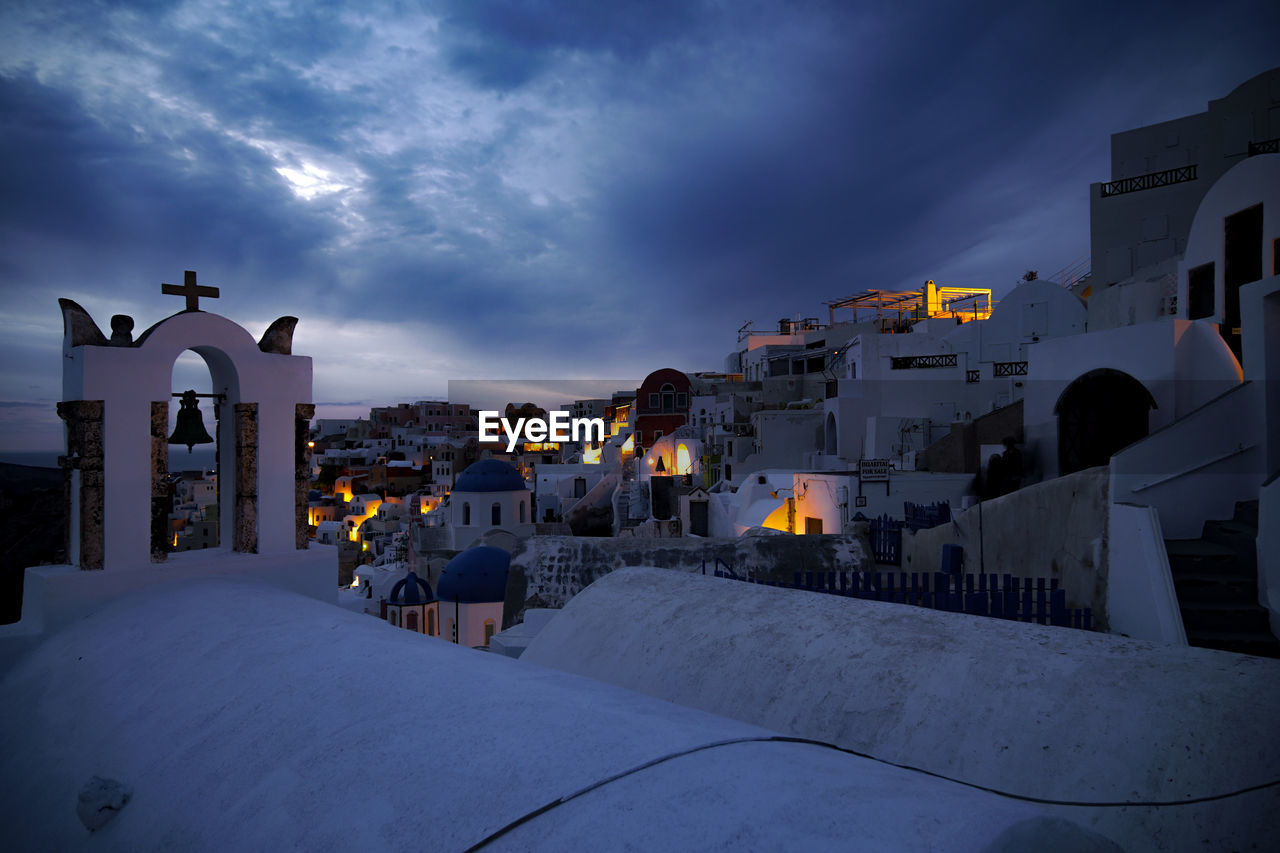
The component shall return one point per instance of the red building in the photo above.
(661, 405)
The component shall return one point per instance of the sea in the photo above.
(200, 458)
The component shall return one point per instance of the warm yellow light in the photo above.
(591, 455)
(777, 519)
(683, 463)
(651, 461)
(311, 444)
(629, 445)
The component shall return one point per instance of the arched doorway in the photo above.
(831, 442)
(1100, 413)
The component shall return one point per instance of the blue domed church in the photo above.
(489, 495)
(468, 607)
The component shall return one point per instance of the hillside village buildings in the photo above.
(903, 398)
(1117, 435)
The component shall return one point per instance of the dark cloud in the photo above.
(505, 44)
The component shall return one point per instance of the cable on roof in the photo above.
(498, 833)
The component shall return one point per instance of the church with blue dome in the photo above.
(411, 605)
(489, 495)
(466, 607)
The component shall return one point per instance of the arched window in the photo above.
(411, 620)
(495, 514)
(684, 464)
(488, 630)
(466, 513)
(431, 623)
(668, 392)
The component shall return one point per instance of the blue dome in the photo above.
(478, 574)
(490, 475)
(410, 589)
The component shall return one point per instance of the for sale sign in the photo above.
(873, 470)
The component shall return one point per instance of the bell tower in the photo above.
(115, 403)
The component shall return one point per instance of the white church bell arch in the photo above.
(122, 381)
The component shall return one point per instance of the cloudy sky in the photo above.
(463, 190)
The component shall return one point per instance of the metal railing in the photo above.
(911, 362)
(1009, 368)
(1266, 146)
(1151, 180)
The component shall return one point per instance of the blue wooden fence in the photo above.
(1038, 600)
(886, 540)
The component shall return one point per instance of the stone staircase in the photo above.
(1216, 578)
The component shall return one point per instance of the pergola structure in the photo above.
(962, 303)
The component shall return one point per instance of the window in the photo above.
(466, 513)
(655, 401)
(411, 620)
(523, 512)
(812, 526)
(489, 627)
(431, 623)
(495, 514)
(682, 401)
(579, 487)
(393, 617)
(657, 434)
(668, 397)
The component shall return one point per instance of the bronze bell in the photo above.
(189, 429)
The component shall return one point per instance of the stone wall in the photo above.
(547, 571)
(82, 468)
(246, 482)
(1055, 529)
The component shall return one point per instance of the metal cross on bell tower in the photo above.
(190, 289)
